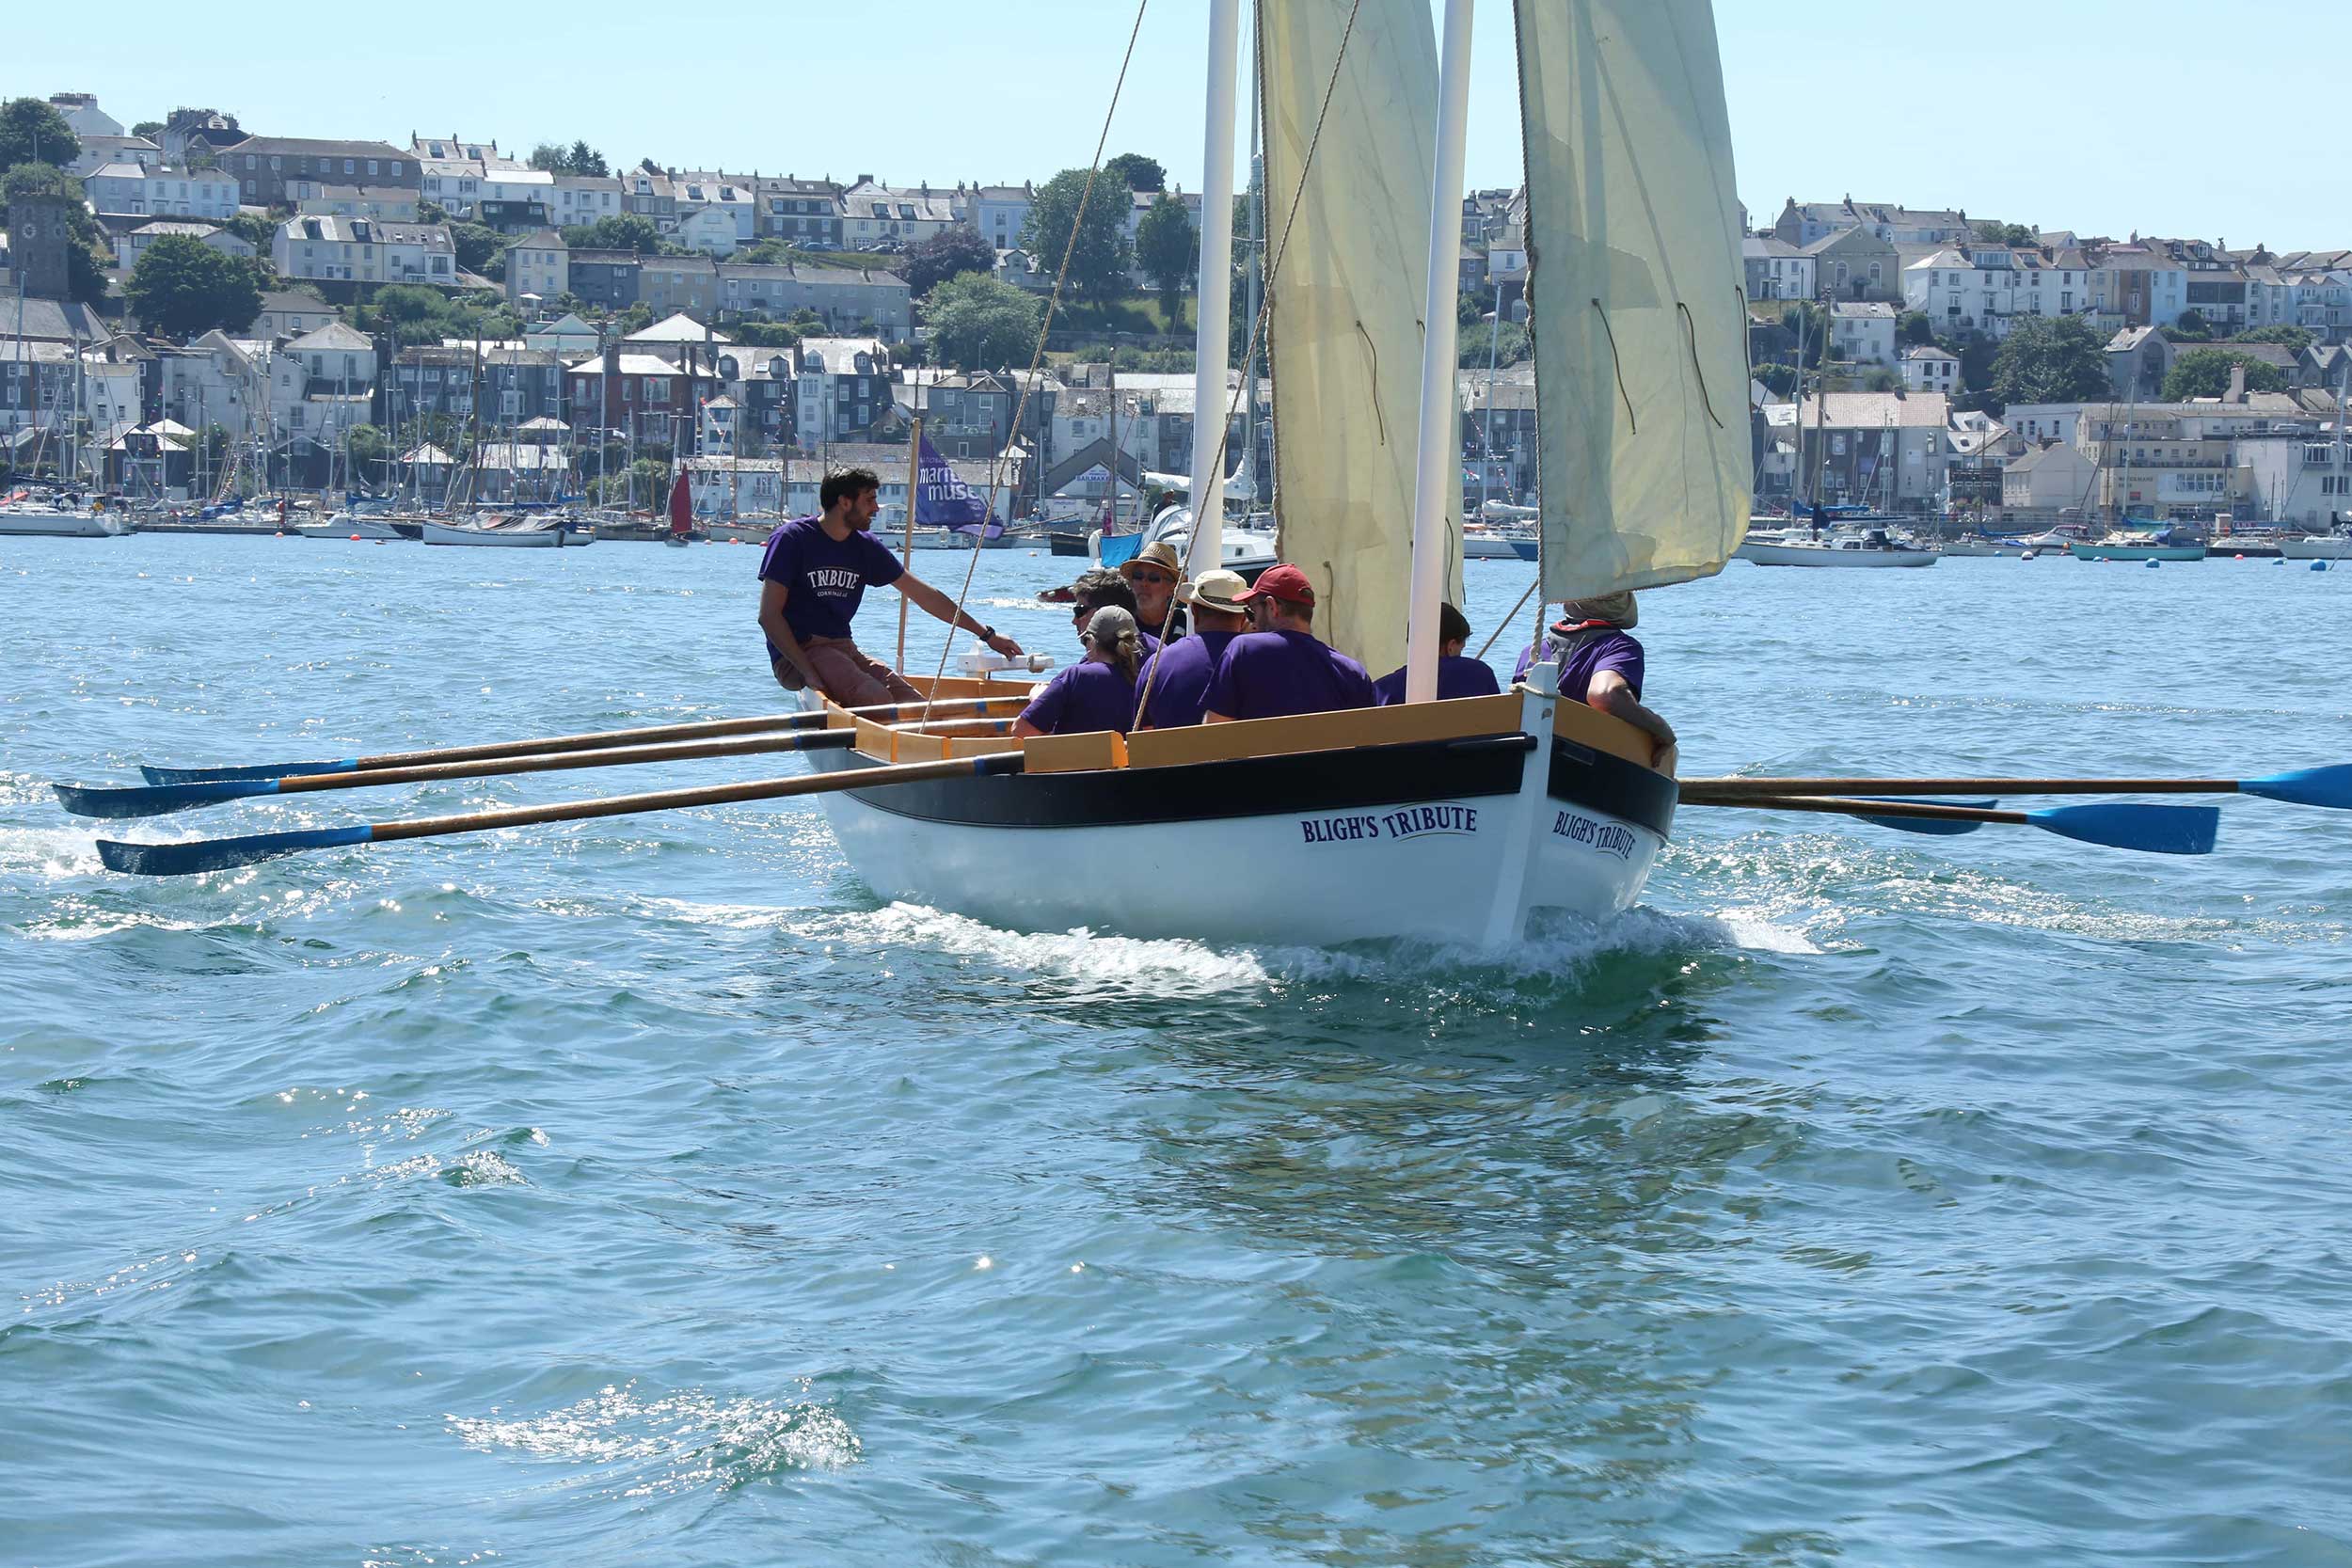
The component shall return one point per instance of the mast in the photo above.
(1253, 270)
(1438, 344)
(1214, 305)
(1110, 517)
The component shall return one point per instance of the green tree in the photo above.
(33, 131)
(1062, 208)
(766, 334)
(151, 129)
(979, 323)
(2191, 329)
(622, 231)
(257, 230)
(2051, 360)
(548, 158)
(1168, 252)
(1468, 311)
(1914, 327)
(1507, 342)
(365, 448)
(2204, 372)
(586, 160)
(477, 246)
(956, 248)
(1137, 172)
(2007, 233)
(2296, 339)
(183, 287)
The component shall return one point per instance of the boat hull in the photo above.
(343, 526)
(1458, 842)
(2137, 552)
(26, 523)
(2317, 547)
(1831, 555)
(526, 538)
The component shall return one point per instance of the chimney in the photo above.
(2237, 383)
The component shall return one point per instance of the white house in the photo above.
(1001, 211)
(582, 199)
(363, 250)
(391, 204)
(844, 386)
(162, 191)
(81, 111)
(873, 214)
(1776, 269)
(538, 263)
(1928, 368)
(2047, 479)
(723, 193)
(1863, 331)
(568, 337)
(711, 230)
(130, 247)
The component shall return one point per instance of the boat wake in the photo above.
(682, 1442)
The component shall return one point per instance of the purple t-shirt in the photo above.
(1083, 697)
(1458, 675)
(1612, 649)
(1273, 674)
(1179, 689)
(824, 579)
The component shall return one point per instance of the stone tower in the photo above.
(39, 239)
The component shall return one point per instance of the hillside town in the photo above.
(190, 311)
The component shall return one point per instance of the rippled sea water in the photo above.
(644, 1191)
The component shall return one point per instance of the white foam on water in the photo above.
(1162, 966)
(48, 853)
(676, 1443)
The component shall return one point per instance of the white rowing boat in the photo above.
(50, 520)
(1492, 811)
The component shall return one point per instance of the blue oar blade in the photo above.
(254, 770)
(2155, 830)
(1940, 827)
(192, 856)
(2309, 786)
(155, 799)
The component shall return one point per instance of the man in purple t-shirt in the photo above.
(1458, 674)
(1282, 669)
(1172, 690)
(1600, 664)
(813, 576)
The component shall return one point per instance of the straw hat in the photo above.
(1219, 590)
(1158, 553)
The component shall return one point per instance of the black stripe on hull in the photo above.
(1306, 784)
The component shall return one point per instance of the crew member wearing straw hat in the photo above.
(1172, 690)
(1155, 571)
(1283, 667)
(1601, 665)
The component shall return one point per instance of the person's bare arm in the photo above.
(772, 621)
(941, 607)
(1215, 718)
(1612, 694)
(1023, 729)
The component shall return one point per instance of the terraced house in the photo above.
(274, 171)
(362, 250)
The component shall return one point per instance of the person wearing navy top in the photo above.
(1601, 665)
(1098, 692)
(1458, 676)
(1172, 690)
(1098, 587)
(813, 576)
(1282, 669)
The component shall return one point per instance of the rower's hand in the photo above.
(1005, 646)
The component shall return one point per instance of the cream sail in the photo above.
(1637, 290)
(1346, 299)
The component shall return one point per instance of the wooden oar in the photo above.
(219, 854)
(2156, 829)
(2308, 786)
(701, 730)
(157, 799)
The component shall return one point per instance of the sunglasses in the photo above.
(1157, 579)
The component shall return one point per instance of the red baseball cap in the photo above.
(1285, 582)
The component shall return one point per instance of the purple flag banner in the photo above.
(943, 501)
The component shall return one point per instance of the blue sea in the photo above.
(645, 1190)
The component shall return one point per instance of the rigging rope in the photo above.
(1036, 360)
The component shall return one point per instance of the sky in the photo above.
(2100, 116)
